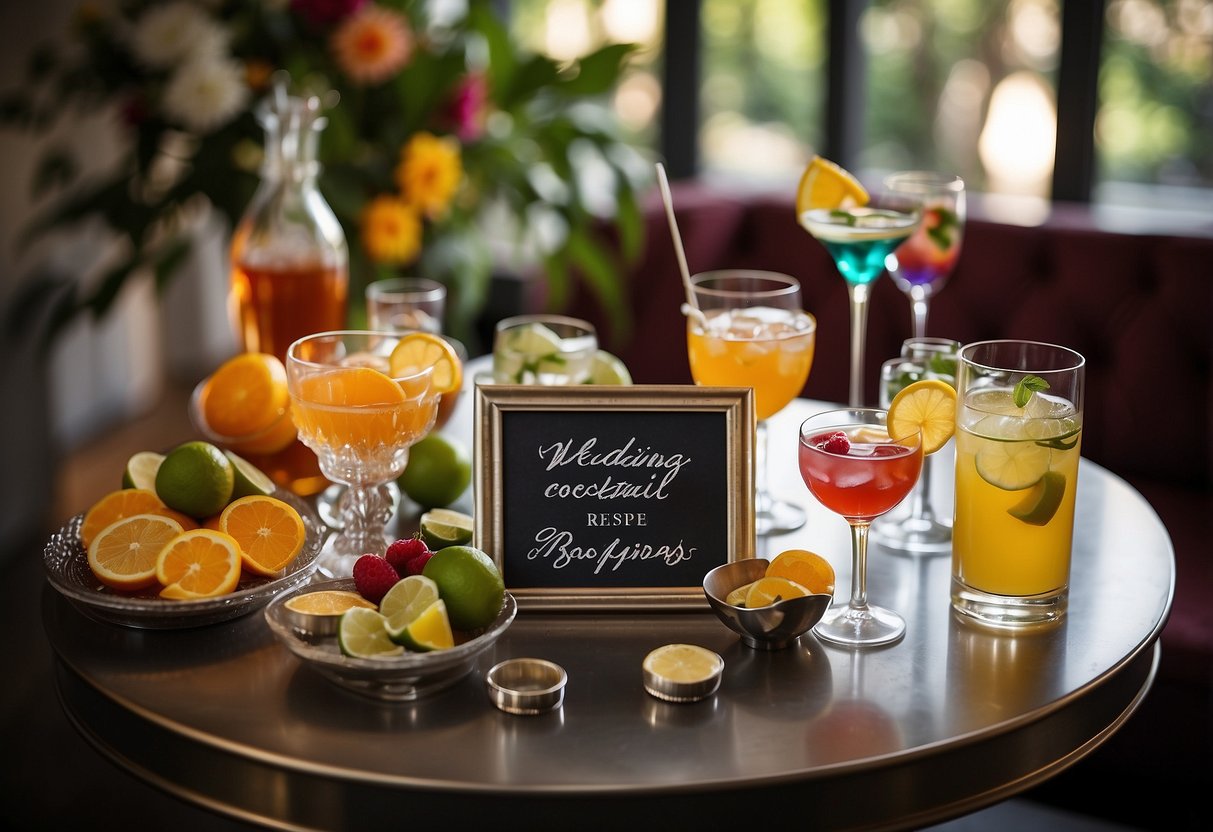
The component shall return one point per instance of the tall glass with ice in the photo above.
(1018, 437)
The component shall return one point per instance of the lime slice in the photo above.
(1012, 466)
(362, 634)
(530, 348)
(429, 631)
(1040, 504)
(442, 527)
(606, 368)
(533, 340)
(405, 601)
(248, 478)
(141, 470)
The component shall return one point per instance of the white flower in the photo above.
(205, 94)
(173, 33)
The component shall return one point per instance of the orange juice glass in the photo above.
(360, 420)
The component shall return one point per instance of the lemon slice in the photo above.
(419, 350)
(141, 470)
(928, 405)
(1012, 466)
(826, 185)
(327, 602)
(684, 663)
(362, 634)
(736, 598)
(766, 591)
(606, 368)
(429, 631)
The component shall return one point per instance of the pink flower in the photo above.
(323, 14)
(468, 107)
(372, 44)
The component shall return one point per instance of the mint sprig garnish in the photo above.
(1026, 387)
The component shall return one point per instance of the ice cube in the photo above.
(853, 478)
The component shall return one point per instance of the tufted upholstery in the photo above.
(1138, 307)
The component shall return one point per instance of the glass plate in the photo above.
(68, 571)
(395, 679)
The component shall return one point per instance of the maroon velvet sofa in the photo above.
(1139, 307)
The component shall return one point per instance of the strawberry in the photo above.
(373, 577)
(401, 552)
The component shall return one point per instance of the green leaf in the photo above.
(1026, 387)
(599, 71)
(532, 76)
(602, 277)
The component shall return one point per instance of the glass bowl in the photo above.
(394, 679)
(772, 627)
(67, 569)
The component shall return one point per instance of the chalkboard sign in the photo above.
(613, 497)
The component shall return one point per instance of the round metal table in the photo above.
(951, 719)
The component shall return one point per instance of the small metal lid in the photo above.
(526, 686)
(699, 684)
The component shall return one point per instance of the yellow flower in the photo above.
(372, 44)
(429, 172)
(391, 230)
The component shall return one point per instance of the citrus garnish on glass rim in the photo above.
(826, 185)
(928, 405)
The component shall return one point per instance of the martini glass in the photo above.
(753, 333)
(922, 264)
(855, 468)
(859, 239)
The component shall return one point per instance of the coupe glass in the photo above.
(753, 333)
(922, 264)
(360, 420)
(860, 479)
(913, 527)
(859, 240)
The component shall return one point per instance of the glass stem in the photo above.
(918, 308)
(859, 565)
(364, 512)
(920, 496)
(859, 330)
(762, 497)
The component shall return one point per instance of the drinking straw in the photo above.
(690, 307)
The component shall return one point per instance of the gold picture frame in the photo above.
(525, 432)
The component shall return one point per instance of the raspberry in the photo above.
(417, 562)
(402, 551)
(834, 443)
(373, 577)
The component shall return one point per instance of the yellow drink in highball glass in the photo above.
(768, 349)
(1016, 479)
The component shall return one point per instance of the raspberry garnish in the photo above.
(834, 443)
(373, 577)
(402, 551)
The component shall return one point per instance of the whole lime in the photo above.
(195, 479)
(469, 584)
(438, 472)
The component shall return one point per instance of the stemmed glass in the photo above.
(855, 468)
(752, 333)
(360, 419)
(922, 264)
(913, 526)
(859, 239)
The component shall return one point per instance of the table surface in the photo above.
(949, 720)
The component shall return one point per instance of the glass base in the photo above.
(860, 626)
(329, 502)
(1009, 612)
(912, 535)
(778, 517)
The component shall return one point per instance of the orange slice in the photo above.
(418, 350)
(126, 502)
(199, 564)
(356, 407)
(826, 185)
(766, 591)
(246, 395)
(810, 570)
(928, 405)
(270, 532)
(123, 555)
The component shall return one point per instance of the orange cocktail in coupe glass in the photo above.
(751, 332)
(360, 414)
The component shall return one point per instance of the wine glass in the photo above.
(855, 468)
(752, 333)
(913, 526)
(859, 239)
(360, 419)
(922, 264)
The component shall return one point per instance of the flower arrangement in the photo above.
(448, 146)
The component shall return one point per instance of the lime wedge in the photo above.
(442, 527)
(530, 348)
(249, 479)
(606, 368)
(405, 601)
(429, 631)
(362, 634)
(141, 470)
(1040, 504)
(1012, 466)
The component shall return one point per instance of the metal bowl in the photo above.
(764, 628)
